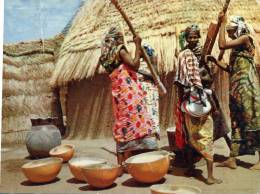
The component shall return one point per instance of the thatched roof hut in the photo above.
(158, 23)
(27, 68)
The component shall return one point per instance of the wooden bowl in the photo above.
(174, 189)
(42, 170)
(75, 165)
(64, 151)
(148, 167)
(101, 175)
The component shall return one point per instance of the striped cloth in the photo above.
(187, 72)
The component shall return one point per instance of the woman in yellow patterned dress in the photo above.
(198, 131)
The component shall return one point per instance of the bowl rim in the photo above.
(198, 190)
(163, 153)
(92, 166)
(72, 160)
(51, 152)
(55, 160)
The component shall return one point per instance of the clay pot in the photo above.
(65, 152)
(148, 167)
(75, 165)
(174, 189)
(101, 175)
(44, 136)
(42, 170)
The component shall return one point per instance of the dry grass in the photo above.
(26, 91)
(156, 21)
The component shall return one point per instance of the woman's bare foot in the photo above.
(212, 180)
(230, 163)
(256, 166)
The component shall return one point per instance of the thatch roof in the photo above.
(27, 68)
(156, 21)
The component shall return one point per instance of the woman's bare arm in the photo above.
(220, 64)
(223, 44)
(127, 59)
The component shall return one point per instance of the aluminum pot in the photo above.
(174, 189)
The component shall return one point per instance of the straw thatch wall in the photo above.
(156, 21)
(27, 68)
(89, 106)
(89, 111)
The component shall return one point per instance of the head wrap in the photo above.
(149, 50)
(184, 36)
(110, 47)
(240, 24)
(194, 28)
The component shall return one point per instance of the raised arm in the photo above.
(223, 44)
(126, 58)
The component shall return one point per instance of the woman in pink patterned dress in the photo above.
(133, 126)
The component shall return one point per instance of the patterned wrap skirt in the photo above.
(132, 121)
(244, 106)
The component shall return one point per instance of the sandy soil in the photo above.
(239, 181)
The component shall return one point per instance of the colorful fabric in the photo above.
(187, 76)
(244, 101)
(187, 73)
(180, 133)
(146, 143)
(131, 117)
(200, 132)
(151, 98)
(109, 58)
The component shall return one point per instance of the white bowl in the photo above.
(174, 189)
(76, 164)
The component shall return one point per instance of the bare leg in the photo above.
(257, 165)
(121, 157)
(230, 163)
(211, 180)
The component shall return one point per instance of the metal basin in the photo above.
(42, 170)
(148, 167)
(174, 189)
(64, 151)
(101, 175)
(75, 165)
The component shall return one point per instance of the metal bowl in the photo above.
(174, 189)
(64, 151)
(42, 170)
(148, 167)
(101, 175)
(75, 165)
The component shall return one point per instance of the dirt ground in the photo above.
(239, 181)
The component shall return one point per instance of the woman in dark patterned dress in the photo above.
(244, 89)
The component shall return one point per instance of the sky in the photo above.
(26, 20)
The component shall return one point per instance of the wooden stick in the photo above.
(162, 89)
(212, 34)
